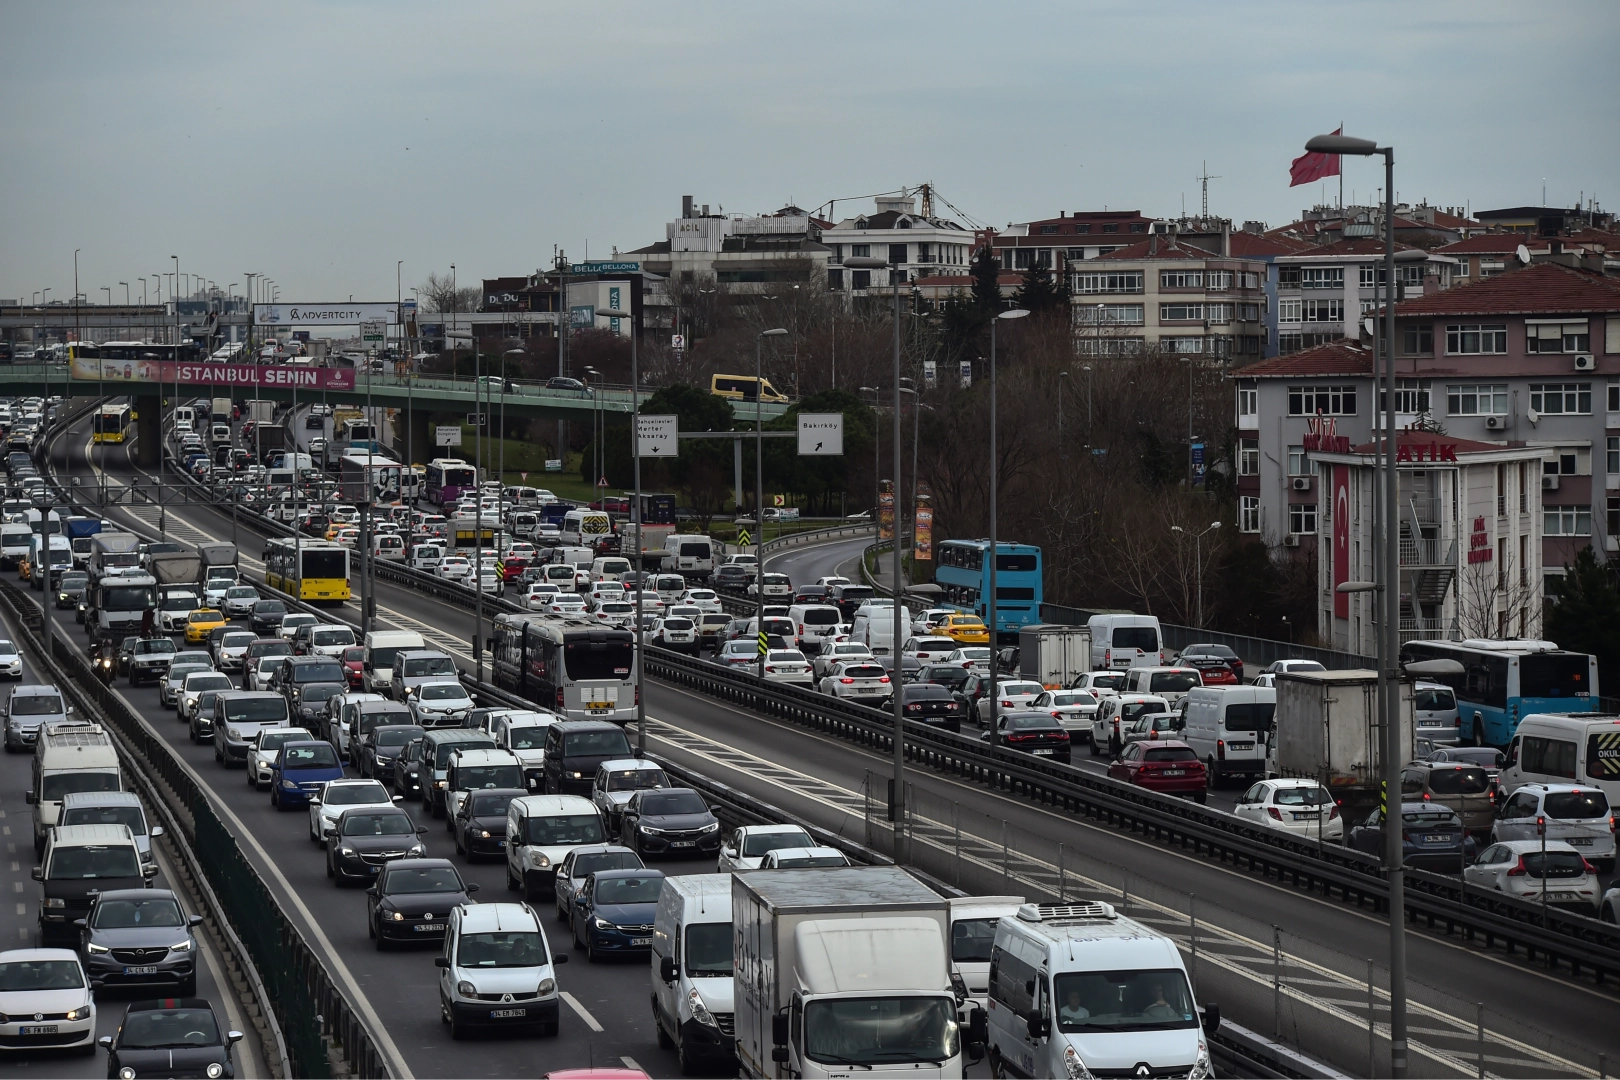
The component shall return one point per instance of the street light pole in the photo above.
(1198, 565)
(1389, 627)
(759, 493)
(993, 553)
(636, 522)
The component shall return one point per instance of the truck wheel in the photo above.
(1212, 775)
(664, 1041)
(690, 1064)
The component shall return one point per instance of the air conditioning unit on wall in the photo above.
(1496, 423)
(1291, 540)
(1302, 483)
(1585, 362)
(1549, 483)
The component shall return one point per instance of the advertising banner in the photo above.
(965, 373)
(1341, 539)
(265, 376)
(341, 314)
(886, 511)
(924, 551)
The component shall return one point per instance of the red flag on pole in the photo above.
(1309, 168)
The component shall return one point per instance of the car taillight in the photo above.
(1006, 704)
(1056, 715)
(559, 697)
(769, 667)
(1061, 736)
(1220, 748)
(1108, 657)
(913, 708)
(1518, 869)
(1333, 812)
(1590, 869)
(1274, 812)
(884, 678)
(846, 681)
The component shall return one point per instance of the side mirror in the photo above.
(779, 1030)
(441, 961)
(195, 920)
(560, 958)
(81, 923)
(105, 1042)
(148, 871)
(666, 969)
(30, 798)
(472, 887)
(1212, 1018)
(373, 892)
(233, 1036)
(39, 873)
(156, 831)
(399, 798)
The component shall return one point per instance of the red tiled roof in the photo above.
(1358, 246)
(1247, 244)
(1537, 289)
(1426, 439)
(1167, 249)
(1334, 358)
(1493, 244)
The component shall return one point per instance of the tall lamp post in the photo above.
(636, 523)
(759, 494)
(1198, 563)
(993, 554)
(1388, 628)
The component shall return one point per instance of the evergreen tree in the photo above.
(1037, 292)
(1582, 617)
(986, 287)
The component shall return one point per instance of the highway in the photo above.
(1538, 1025)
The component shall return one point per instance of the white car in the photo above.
(538, 596)
(829, 582)
(1516, 867)
(837, 653)
(619, 779)
(707, 599)
(1609, 906)
(337, 796)
(196, 683)
(748, 845)
(614, 613)
(455, 567)
(777, 587)
(803, 857)
(788, 666)
(1579, 815)
(264, 748)
(489, 583)
(214, 591)
(1013, 695)
(1292, 805)
(675, 632)
(567, 604)
(925, 622)
(258, 678)
(858, 680)
(650, 603)
(1071, 708)
(742, 653)
(330, 639)
(929, 649)
(10, 660)
(292, 621)
(239, 600)
(437, 702)
(1099, 683)
(606, 590)
(46, 982)
(968, 656)
(492, 954)
(174, 609)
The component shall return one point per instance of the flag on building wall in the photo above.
(1308, 168)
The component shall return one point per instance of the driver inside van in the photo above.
(1072, 1012)
(1158, 1008)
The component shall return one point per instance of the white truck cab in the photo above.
(691, 970)
(973, 933)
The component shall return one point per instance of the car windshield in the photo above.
(260, 650)
(1138, 1000)
(241, 592)
(1073, 697)
(1575, 804)
(168, 1028)
(237, 639)
(1301, 796)
(309, 757)
(708, 950)
(178, 672)
(1170, 753)
(864, 671)
(636, 779)
(126, 914)
(443, 692)
(398, 824)
(208, 681)
(341, 636)
(1133, 709)
(35, 705)
(422, 879)
(674, 802)
(23, 975)
(531, 737)
(1470, 780)
(1145, 638)
(1427, 700)
(56, 785)
(272, 740)
(490, 805)
(354, 794)
(179, 601)
(106, 815)
(429, 665)
(638, 889)
(265, 710)
(871, 1031)
(1175, 682)
(269, 607)
(394, 734)
(596, 743)
(760, 843)
(971, 940)
(330, 671)
(95, 861)
(521, 949)
(565, 829)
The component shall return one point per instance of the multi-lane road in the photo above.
(1537, 1024)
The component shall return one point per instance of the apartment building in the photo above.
(1085, 234)
(748, 254)
(918, 244)
(1167, 295)
(1324, 292)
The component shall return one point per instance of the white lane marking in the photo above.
(584, 1013)
(17, 885)
(15, 866)
(632, 1063)
(22, 909)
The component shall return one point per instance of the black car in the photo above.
(563, 383)
(732, 577)
(1432, 837)
(480, 824)
(950, 676)
(371, 716)
(411, 901)
(910, 667)
(70, 588)
(574, 748)
(932, 704)
(381, 746)
(139, 937)
(1211, 656)
(669, 821)
(170, 1037)
(1035, 733)
(266, 616)
(365, 838)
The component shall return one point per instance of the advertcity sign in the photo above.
(324, 314)
(267, 376)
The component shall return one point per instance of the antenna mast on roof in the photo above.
(927, 191)
(1205, 179)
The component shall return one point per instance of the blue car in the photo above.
(612, 913)
(300, 770)
(1432, 837)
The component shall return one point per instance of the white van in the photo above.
(874, 628)
(669, 587)
(1565, 748)
(540, 832)
(219, 434)
(69, 755)
(426, 558)
(1170, 683)
(689, 554)
(381, 648)
(816, 625)
(1125, 641)
(1079, 989)
(1227, 728)
(185, 414)
(973, 934)
(581, 527)
(691, 970)
(388, 546)
(560, 575)
(609, 568)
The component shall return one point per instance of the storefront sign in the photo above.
(267, 376)
(344, 314)
(1320, 436)
(1432, 452)
(1479, 543)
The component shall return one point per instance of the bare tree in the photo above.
(1494, 600)
(444, 297)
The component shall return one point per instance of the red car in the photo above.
(512, 568)
(1168, 766)
(354, 666)
(1219, 675)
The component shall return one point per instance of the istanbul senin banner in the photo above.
(266, 376)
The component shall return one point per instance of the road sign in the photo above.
(743, 539)
(524, 476)
(778, 500)
(447, 435)
(764, 642)
(601, 482)
(657, 436)
(677, 342)
(373, 330)
(553, 464)
(475, 419)
(821, 434)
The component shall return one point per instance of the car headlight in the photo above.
(293, 784)
(399, 916)
(577, 776)
(235, 733)
(540, 859)
(215, 1070)
(466, 988)
(440, 784)
(184, 946)
(483, 834)
(1201, 1069)
(713, 826)
(700, 1011)
(346, 851)
(649, 830)
(81, 1013)
(547, 987)
(55, 902)
(126, 1073)
(96, 950)
(1074, 1066)
(602, 924)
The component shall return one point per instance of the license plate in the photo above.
(1240, 746)
(507, 1014)
(1302, 815)
(1436, 838)
(1043, 753)
(38, 1029)
(148, 969)
(374, 869)
(641, 941)
(432, 926)
(683, 843)
(1174, 772)
(598, 712)
(1580, 841)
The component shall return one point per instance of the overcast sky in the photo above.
(318, 143)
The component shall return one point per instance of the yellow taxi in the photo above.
(201, 623)
(967, 629)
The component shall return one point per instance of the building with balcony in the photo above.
(1051, 243)
(1164, 294)
(918, 243)
(1324, 292)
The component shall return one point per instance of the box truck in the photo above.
(1053, 655)
(1328, 729)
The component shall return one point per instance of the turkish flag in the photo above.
(1309, 168)
(1341, 539)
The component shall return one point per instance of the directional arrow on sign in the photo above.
(743, 539)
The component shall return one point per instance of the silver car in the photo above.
(110, 808)
(169, 688)
(440, 704)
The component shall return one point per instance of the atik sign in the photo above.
(267, 376)
(1434, 451)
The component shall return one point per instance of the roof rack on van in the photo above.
(1066, 913)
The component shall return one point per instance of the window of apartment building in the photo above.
(1568, 399)
(1369, 305)
(1289, 311)
(1524, 488)
(1218, 279)
(1613, 455)
(925, 252)
(1614, 397)
(1482, 399)
(1138, 226)
(1324, 310)
(1194, 344)
(860, 279)
(1491, 267)
(835, 279)
(1220, 314)
(1524, 558)
(1249, 514)
(1115, 281)
(1110, 226)
(1411, 396)
(1180, 312)
(1248, 457)
(1551, 337)
(1049, 228)
(1369, 276)
(1501, 489)
(863, 251)
(1613, 515)
(1082, 228)
(1248, 312)
(1467, 338)
(1299, 464)
(1108, 314)
(1288, 277)
(1248, 279)
(1566, 521)
(1289, 343)
(897, 253)
(1181, 279)
(1321, 277)
(1023, 258)
(1249, 405)
(1111, 346)
(1326, 400)
(1302, 518)
(1462, 267)
(1417, 340)
(1561, 463)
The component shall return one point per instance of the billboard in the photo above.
(324, 314)
(886, 511)
(924, 529)
(266, 376)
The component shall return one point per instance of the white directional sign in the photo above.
(447, 435)
(821, 434)
(658, 436)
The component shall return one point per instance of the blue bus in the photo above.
(1504, 681)
(964, 580)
